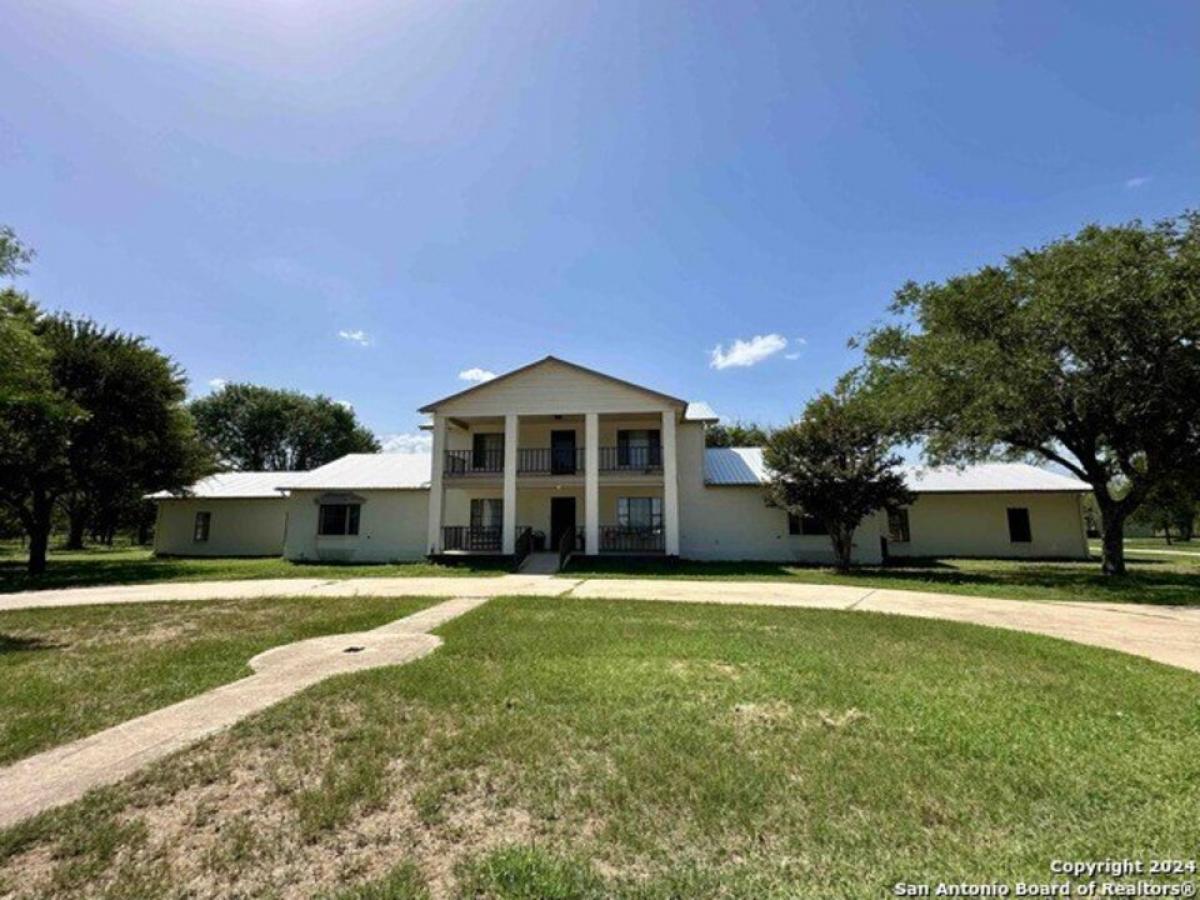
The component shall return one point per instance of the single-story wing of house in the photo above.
(557, 456)
(227, 514)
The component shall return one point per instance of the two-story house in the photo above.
(557, 457)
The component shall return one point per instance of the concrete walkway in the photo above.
(1167, 634)
(64, 774)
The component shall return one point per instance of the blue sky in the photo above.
(367, 199)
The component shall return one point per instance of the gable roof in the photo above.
(430, 407)
(367, 471)
(698, 411)
(230, 486)
(734, 466)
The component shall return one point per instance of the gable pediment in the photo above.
(553, 386)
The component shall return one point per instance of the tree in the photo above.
(1172, 506)
(739, 434)
(83, 411)
(835, 464)
(1083, 352)
(13, 254)
(137, 435)
(35, 424)
(263, 429)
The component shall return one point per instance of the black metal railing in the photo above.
(524, 546)
(550, 460)
(631, 459)
(566, 546)
(631, 539)
(474, 462)
(475, 538)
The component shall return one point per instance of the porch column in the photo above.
(670, 483)
(436, 492)
(508, 536)
(591, 483)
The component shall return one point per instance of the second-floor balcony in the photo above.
(627, 459)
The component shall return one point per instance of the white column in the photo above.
(509, 534)
(670, 483)
(591, 483)
(436, 491)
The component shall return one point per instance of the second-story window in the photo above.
(487, 451)
(639, 448)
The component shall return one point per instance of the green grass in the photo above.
(1155, 580)
(126, 565)
(574, 748)
(1132, 545)
(65, 673)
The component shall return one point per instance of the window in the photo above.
(338, 519)
(639, 512)
(898, 526)
(487, 451)
(1019, 531)
(639, 448)
(808, 526)
(487, 513)
(200, 529)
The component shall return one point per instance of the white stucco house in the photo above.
(559, 456)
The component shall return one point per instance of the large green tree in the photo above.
(836, 464)
(84, 412)
(137, 435)
(1084, 352)
(263, 429)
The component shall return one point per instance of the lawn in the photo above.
(574, 748)
(136, 565)
(1155, 579)
(65, 673)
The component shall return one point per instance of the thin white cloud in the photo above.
(798, 342)
(747, 353)
(217, 384)
(791, 356)
(476, 375)
(1137, 182)
(355, 337)
(418, 442)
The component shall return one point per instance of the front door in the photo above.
(562, 452)
(562, 521)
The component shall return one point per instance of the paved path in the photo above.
(66, 773)
(1163, 633)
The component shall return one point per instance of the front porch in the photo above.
(630, 520)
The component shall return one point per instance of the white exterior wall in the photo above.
(239, 527)
(553, 388)
(976, 524)
(734, 523)
(393, 526)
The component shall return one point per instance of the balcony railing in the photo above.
(631, 539)
(553, 461)
(631, 459)
(550, 460)
(471, 538)
(474, 462)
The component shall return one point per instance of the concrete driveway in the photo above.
(1165, 634)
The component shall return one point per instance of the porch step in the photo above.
(544, 563)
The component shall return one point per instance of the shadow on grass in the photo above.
(139, 567)
(1158, 581)
(11, 643)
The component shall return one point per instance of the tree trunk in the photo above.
(76, 526)
(1112, 541)
(39, 533)
(843, 545)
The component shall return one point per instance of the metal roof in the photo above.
(231, 486)
(700, 411)
(367, 471)
(732, 466)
